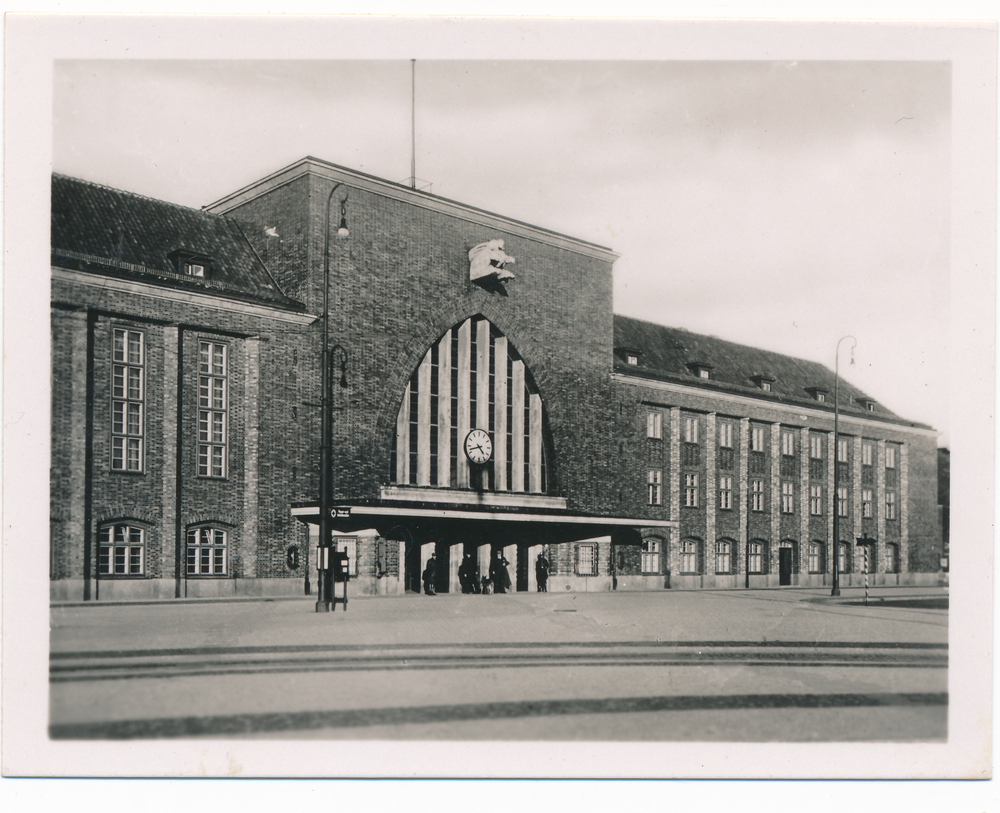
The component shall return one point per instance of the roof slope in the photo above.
(665, 353)
(107, 231)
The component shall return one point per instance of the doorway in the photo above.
(784, 566)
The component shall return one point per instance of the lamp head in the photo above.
(342, 230)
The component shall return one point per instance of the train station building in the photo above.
(485, 401)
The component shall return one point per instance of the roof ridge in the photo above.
(752, 347)
(161, 201)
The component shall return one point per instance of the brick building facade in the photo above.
(186, 394)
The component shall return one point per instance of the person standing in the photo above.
(542, 573)
(499, 577)
(430, 576)
(465, 574)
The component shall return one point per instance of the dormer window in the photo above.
(700, 368)
(866, 404)
(191, 263)
(763, 382)
(630, 355)
(818, 393)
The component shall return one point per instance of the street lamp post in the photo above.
(324, 591)
(836, 452)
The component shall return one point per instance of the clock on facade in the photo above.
(478, 446)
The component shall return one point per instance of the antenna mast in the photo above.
(413, 124)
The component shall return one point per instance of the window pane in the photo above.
(118, 352)
(135, 561)
(135, 419)
(118, 417)
(203, 358)
(104, 560)
(192, 561)
(218, 427)
(134, 348)
(134, 462)
(218, 393)
(120, 559)
(219, 360)
(203, 418)
(135, 383)
(118, 382)
(203, 461)
(217, 461)
(220, 561)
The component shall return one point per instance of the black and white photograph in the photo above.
(500, 411)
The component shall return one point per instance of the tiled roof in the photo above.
(665, 354)
(107, 231)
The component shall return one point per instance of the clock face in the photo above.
(478, 446)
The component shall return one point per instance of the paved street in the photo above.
(772, 665)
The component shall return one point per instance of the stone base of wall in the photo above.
(579, 584)
(155, 589)
(370, 586)
(628, 583)
(158, 589)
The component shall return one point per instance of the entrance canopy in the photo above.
(551, 527)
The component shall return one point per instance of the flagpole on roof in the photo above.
(413, 124)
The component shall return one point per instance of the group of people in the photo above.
(497, 581)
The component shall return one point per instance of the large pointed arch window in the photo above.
(471, 378)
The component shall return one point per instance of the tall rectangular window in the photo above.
(788, 444)
(128, 399)
(843, 446)
(757, 495)
(689, 556)
(213, 412)
(690, 429)
(866, 502)
(815, 557)
(890, 457)
(787, 498)
(723, 557)
(841, 501)
(690, 490)
(815, 500)
(650, 555)
(755, 564)
(655, 484)
(890, 505)
(586, 560)
(726, 435)
(757, 439)
(654, 425)
(725, 492)
(348, 544)
(816, 446)
(866, 453)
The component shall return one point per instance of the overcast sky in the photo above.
(777, 204)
